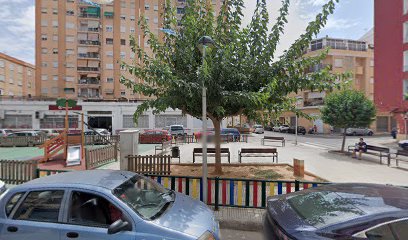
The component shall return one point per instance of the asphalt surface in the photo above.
(227, 234)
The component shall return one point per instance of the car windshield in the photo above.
(176, 128)
(145, 196)
(321, 209)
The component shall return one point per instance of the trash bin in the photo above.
(175, 152)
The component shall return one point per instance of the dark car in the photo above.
(232, 133)
(301, 130)
(339, 211)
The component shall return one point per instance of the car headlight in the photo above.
(207, 236)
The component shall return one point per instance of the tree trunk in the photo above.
(217, 138)
(344, 140)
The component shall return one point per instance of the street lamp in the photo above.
(203, 43)
(296, 127)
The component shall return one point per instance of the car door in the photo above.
(89, 214)
(36, 218)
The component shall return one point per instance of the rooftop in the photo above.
(337, 43)
(15, 60)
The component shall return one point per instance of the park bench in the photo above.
(162, 147)
(225, 152)
(375, 151)
(258, 152)
(273, 139)
(401, 155)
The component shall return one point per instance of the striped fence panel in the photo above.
(17, 171)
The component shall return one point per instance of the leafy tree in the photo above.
(347, 109)
(242, 73)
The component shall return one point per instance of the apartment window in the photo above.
(20, 83)
(70, 39)
(109, 66)
(44, 23)
(70, 65)
(406, 32)
(55, 77)
(69, 79)
(55, 11)
(19, 69)
(69, 52)
(44, 64)
(1, 92)
(11, 67)
(123, 17)
(2, 78)
(29, 72)
(122, 29)
(180, 10)
(147, 6)
(155, 20)
(70, 25)
(29, 84)
(122, 4)
(11, 81)
(372, 63)
(122, 42)
(132, 18)
(372, 80)
(123, 93)
(55, 64)
(156, 8)
(44, 10)
(338, 62)
(44, 77)
(44, 37)
(132, 30)
(122, 55)
(405, 61)
(55, 37)
(55, 23)
(132, 5)
(109, 53)
(70, 13)
(1, 63)
(147, 19)
(55, 51)
(54, 90)
(109, 80)
(405, 7)
(44, 50)
(109, 28)
(11, 93)
(132, 55)
(405, 90)
(109, 41)
(44, 91)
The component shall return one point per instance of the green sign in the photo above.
(62, 101)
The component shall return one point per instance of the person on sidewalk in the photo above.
(360, 147)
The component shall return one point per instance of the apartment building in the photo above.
(79, 46)
(17, 78)
(391, 64)
(356, 57)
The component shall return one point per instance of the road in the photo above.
(227, 234)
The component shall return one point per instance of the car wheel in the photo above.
(354, 134)
(370, 134)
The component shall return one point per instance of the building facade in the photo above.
(17, 78)
(355, 57)
(79, 46)
(391, 60)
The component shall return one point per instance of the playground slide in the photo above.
(74, 155)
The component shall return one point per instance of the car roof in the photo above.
(108, 179)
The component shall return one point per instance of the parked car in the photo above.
(3, 187)
(231, 133)
(339, 211)
(210, 134)
(154, 137)
(283, 128)
(403, 144)
(176, 130)
(5, 132)
(51, 132)
(243, 129)
(359, 131)
(300, 130)
(275, 128)
(269, 127)
(102, 204)
(102, 131)
(35, 137)
(258, 129)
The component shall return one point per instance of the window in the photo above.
(69, 52)
(142, 121)
(44, 37)
(70, 13)
(109, 66)
(58, 121)
(156, 8)
(123, 93)
(44, 10)
(383, 231)
(44, 64)
(29, 72)
(405, 90)
(123, 17)
(2, 78)
(122, 42)
(41, 206)
(70, 38)
(155, 20)
(122, 4)
(405, 32)
(132, 18)
(372, 63)
(84, 212)
(372, 80)
(109, 28)
(55, 64)
(44, 23)
(147, 6)
(19, 69)
(405, 7)
(20, 83)
(11, 81)
(109, 53)
(338, 62)
(44, 77)
(132, 30)
(55, 51)
(55, 37)
(55, 77)
(55, 11)
(109, 80)
(54, 90)
(11, 67)
(109, 41)
(1, 63)
(70, 25)
(401, 229)
(69, 79)
(405, 61)
(122, 29)
(55, 23)
(44, 91)
(122, 55)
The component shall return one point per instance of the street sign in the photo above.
(59, 108)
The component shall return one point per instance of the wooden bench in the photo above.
(225, 152)
(273, 139)
(258, 152)
(162, 147)
(399, 154)
(375, 151)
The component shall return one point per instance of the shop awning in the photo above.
(108, 14)
(93, 10)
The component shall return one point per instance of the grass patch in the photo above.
(267, 174)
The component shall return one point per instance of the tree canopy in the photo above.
(242, 73)
(348, 109)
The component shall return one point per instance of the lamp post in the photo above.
(203, 43)
(296, 121)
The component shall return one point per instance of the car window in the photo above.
(92, 210)
(380, 233)
(176, 128)
(43, 206)
(11, 204)
(401, 229)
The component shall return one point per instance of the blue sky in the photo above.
(352, 18)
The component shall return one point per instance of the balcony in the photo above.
(87, 95)
(87, 29)
(89, 55)
(89, 81)
(88, 69)
(314, 102)
(88, 15)
(89, 42)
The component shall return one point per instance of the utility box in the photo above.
(175, 152)
(299, 168)
(129, 141)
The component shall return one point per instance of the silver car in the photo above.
(359, 131)
(103, 205)
(258, 129)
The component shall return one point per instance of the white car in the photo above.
(5, 132)
(276, 128)
(283, 128)
(258, 129)
(102, 131)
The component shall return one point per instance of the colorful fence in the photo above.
(232, 192)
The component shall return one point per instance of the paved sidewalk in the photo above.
(244, 219)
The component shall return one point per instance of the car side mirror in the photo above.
(118, 226)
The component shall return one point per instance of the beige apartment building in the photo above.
(17, 78)
(79, 46)
(356, 57)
